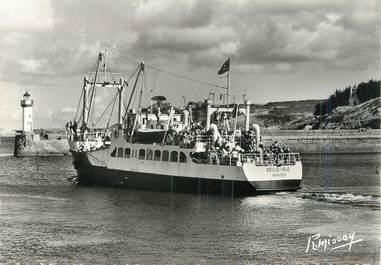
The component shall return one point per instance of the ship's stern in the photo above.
(274, 177)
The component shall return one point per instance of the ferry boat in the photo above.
(156, 149)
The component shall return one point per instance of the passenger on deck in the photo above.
(67, 129)
(74, 126)
(267, 155)
(70, 127)
(216, 137)
(275, 148)
(287, 149)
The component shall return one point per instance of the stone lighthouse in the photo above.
(27, 113)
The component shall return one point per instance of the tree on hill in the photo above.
(340, 98)
(365, 92)
(368, 91)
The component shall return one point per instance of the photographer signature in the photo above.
(317, 242)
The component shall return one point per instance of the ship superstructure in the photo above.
(160, 147)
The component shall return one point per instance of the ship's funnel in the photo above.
(158, 99)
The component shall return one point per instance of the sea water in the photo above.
(46, 218)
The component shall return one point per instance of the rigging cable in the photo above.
(127, 82)
(93, 109)
(172, 74)
(80, 117)
(92, 69)
(79, 103)
(112, 110)
(141, 91)
(148, 94)
(141, 69)
(104, 112)
(154, 82)
(94, 85)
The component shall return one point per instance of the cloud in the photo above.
(68, 109)
(51, 44)
(26, 15)
(61, 37)
(184, 40)
(173, 13)
(263, 32)
(245, 68)
(31, 65)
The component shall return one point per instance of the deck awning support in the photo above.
(120, 103)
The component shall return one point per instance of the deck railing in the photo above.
(282, 159)
(237, 159)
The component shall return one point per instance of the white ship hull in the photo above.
(136, 170)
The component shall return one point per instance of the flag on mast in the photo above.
(225, 67)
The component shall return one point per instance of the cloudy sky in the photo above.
(280, 50)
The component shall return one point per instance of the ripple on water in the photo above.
(44, 218)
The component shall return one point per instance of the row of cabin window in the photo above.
(156, 156)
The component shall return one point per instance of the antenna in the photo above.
(227, 89)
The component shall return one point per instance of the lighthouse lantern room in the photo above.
(27, 114)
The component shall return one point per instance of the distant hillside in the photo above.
(298, 115)
(351, 108)
(280, 115)
(296, 106)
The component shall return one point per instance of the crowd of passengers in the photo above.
(220, 144)
(246, 139)
(228, 152)
(221, 148)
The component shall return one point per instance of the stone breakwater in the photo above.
(52, 147)
(326, 141)
(312, 141)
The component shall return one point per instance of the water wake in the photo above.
(38, 197)
(6, 154)
(343, 198)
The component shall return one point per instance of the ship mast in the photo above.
(228, 85)
(141, 94)
(84, 104)
(105, 63)
(141, 69)
(86, 86)
(87, 103)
